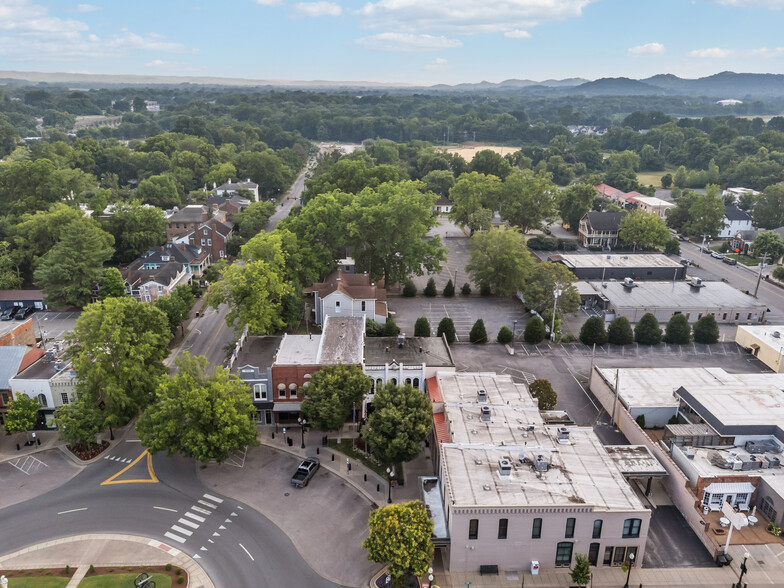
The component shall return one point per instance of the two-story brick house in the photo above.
(160, 270)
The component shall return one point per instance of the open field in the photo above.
(654, 178)
(468, 150)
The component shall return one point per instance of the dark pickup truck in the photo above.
(306, 470)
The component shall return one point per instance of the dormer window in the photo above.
(205, 231)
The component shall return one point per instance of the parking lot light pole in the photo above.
(390, 475)
(514, 329)
(743, 570)
(302, 423)
(556, 294)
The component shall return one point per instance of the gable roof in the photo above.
(233, 186)
(356, 286)
(606, 190)
(193, 213)
(219, 227)
(605, 221)
(733, 213)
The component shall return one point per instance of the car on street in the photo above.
(716, 255)
(687, 262)
(730, 261)
(306, 470)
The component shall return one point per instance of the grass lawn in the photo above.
(345, 447)
(120, 581)
(38, 582)
(744, 259)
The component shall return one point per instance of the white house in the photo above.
(51, 382)
(443, 206)
(231, 188)
(352, 295)
(735, 220)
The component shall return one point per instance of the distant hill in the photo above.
(618, 87)
(726, 84)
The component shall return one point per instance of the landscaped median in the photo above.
(119, 577)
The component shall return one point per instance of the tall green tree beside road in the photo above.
(527, 199)
(768, 243)
(400, 422)
(68, 271)
(644, 229)
(200, 415)
(332, 394)
(21, 414)
(78, 422)
(254, 218)
(499, 260)
(573, 202)
(176, 306)
(769, 208)
(543, 391)
(400, 537)
(544, 280)
(118, 347)
(475, 196)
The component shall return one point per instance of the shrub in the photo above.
(485, 290)
(168, 567)
(581, 574)
(449, 289)
(567, 244)
(706, 330)
(180, 580)
(568, 338)
(534, 331)
(178, 571)
(543, 391)
(640, 420)
(478, 332)
(374, 329)
(778, 273)
(466, 289)
(620, 332)
(430, 289)
(505, 335)
(422, 327)
(672, 247)
(67, 570)
(447, 327)
(592, 331)
(91, 570)
(595, 248)
(409, 289)
(390, 328)
(647, 331)
(678, 331)
(542, 243)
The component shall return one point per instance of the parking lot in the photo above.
(54, 324)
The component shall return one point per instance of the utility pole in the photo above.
(759, 275)
(699, 259)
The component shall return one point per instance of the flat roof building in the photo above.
(642, 266)
(694, 299)
(516, 490)
(765, 342)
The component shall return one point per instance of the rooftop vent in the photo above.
(481, 396)
(628, 283)
(477, 461)
(540, 463)
(504, 467)
(486, 487)
(485, 415)
(563, 435)
(776, 334)
(696, 283)
(401, 340)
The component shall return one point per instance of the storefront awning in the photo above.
(733, 488)
(286, 407)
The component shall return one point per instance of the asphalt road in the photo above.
(207, 335)
(289, 200)
(233, 543)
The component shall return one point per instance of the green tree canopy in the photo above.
(200, 415)
(547, 278)
(160, 191)
(136, 229)
(447, 327)
(422, 327)
(647, 331)
(706, 330)
(543, 391)
(9, 278)
(499, 260)
(592, 332)
(678, 330)
(401, 420)
(527, 199)
(332, 394)
(535, 331)
(118, 347)
(581, 573)
(254, 218)
(644, 229)
(21, 414)
(574, 201)
(112, 284)
(78, 422)
(505, 335)
(768, 243)
(400, 537)
(769, 208)
(475, 196)
(68, 271)
(620, 331)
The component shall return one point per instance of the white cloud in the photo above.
(766, 53)
(269, 2)
(438, 64)
(517, 34)
(315, 9)
(157, 63)
(29, 32)
(711, 53)
(407, 42)
(647, 49)
(466, 16)
(83, 8)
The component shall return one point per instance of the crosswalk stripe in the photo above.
(181, 530)
(174, 537)
(188, 523)
(207, 504)
(213, 498)
(201, 510)
(195, 517)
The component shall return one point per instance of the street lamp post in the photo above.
(302, 423)
(699, 259)
(556, 294)
(629, 570)
(743, 570)
(514, 329)
(390, 475)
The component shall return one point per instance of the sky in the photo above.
(394, 41)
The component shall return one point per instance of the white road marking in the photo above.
(213, 498)
(195, 517)
(72, 510)
(181, 530)
(174, 537)
(203, 548)
(188, 523)
(222, 527)
(216, 534)
(196, 556)
(207, 504)
(246, 551)
(201, 510)
(234, 514)
(164, 508)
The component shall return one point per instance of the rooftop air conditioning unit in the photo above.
(504, 468)
(485, 415)
(696, 283)
(776, 335)
(481, 397)
(540, 463)
(563, 435)
(628, 283)
(401, 340)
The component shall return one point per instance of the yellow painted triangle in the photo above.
(153, 479)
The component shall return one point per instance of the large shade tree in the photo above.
(499, 260)
(527, 199)
(544, 281)
(332, 394)
(401, 420)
